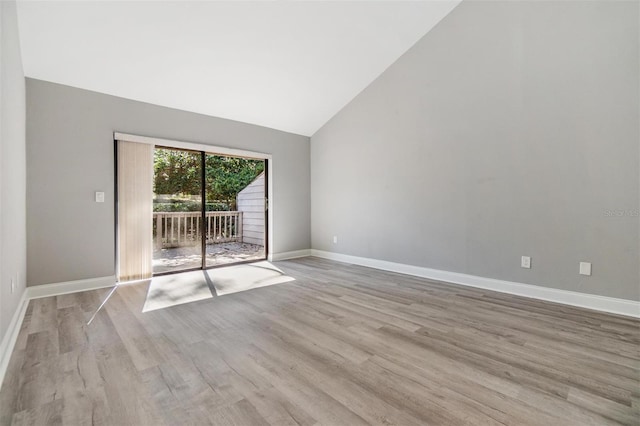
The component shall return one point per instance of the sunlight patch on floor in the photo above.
(177, 289)
(246, 277)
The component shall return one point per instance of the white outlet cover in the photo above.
(585, 268)
(525, 262)
(99, 197)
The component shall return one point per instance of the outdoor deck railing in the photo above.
(179, 229)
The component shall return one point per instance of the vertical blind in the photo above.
(135, 211)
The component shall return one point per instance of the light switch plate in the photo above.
(99, 197)
(585, 268)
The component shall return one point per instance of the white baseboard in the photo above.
(57, 289)
(289, 255)
(11, 335)
(591, 301)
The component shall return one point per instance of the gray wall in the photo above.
(70, 155)
(12, 167)
(510, 129)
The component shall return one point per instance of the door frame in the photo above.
(214, 150)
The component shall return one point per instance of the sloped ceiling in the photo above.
(288, 65)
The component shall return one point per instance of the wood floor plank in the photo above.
(49, 413)
(338, 345)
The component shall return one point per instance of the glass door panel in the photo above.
(177, 210)
(235, 218)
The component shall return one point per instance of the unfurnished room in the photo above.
(338, 213)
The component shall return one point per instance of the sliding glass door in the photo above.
(230, 226)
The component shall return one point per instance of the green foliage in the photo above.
(226, 176)
(188, 206)
(177, 173)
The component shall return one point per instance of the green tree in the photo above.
(226, 176)
(177, 173)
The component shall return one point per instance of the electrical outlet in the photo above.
(335, 239)
(525, 262)
(99, 197)
(585, 268)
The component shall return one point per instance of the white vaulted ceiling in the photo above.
(285, 65)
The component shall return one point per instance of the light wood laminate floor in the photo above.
(340, 345)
